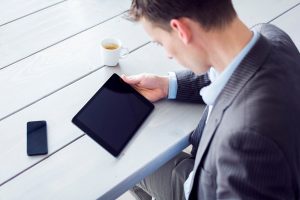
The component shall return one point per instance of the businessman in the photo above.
(247, 143)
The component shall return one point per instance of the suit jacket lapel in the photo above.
(245, 71)
(197, 133)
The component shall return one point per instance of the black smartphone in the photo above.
(37, 138)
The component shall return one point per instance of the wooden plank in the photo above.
(29, 35)
(43, 73)
(16, 9)
(289, 22)
(59, 108)
(261, 11)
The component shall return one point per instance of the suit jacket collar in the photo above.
(245, 71)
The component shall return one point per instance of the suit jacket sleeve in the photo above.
(189, 86)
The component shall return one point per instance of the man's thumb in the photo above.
(132, 80)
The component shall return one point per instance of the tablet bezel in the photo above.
(96, 137)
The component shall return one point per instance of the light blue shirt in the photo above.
(210, 93)
(218, 81)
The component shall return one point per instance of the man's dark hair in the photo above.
(209, 13)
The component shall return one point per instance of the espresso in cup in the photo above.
(111, 46)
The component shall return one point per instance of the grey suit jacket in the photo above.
(250, 146)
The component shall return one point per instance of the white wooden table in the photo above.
(50, 66)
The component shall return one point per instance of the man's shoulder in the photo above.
(270, 31)
(276, 36)
(271, 91)
(283, 59)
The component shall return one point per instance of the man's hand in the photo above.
(151, 86)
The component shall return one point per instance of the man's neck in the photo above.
(223, 46)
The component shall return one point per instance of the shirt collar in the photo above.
(218, 81)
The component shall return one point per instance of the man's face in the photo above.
(187, 55)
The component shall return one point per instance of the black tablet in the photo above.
(113, 114)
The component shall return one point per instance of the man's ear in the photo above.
(181, 27)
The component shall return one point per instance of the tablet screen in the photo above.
(113, 114)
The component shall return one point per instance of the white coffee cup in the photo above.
(112, 50)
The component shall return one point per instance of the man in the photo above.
(247, 143)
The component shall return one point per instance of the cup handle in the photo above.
(124, 52)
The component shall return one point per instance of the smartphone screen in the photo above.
(37, 138)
